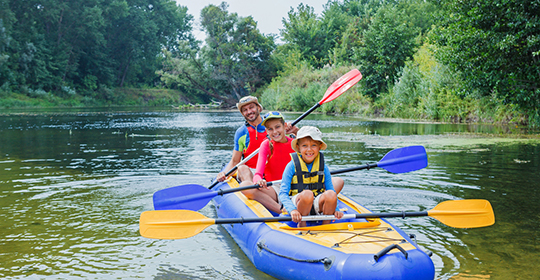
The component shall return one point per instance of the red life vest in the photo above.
(277, 161)
(255, 140)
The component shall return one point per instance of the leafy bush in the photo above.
(428, 89)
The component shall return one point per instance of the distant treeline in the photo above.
(448, 60)
(87, 47)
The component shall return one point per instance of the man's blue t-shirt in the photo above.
(241, 137)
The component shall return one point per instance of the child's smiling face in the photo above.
(308, 148)
(276, 130)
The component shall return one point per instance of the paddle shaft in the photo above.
(236, 167)
(345, 170)
(257, 151)
(305, 114)
(194, 197)
(320, 217)
(175, 224)
(256, 186)
(383, 163)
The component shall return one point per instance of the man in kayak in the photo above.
(306, 186)
(248, 138)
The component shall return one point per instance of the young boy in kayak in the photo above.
(306, 186)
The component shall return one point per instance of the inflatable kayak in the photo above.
(344, 249)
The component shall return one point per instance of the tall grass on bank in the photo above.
(102, 97)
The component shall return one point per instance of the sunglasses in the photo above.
(273, 113)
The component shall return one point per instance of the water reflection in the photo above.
(73, 185)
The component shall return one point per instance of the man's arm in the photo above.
(235, 159)
(239, 142)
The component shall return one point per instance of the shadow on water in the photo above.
(73, 185)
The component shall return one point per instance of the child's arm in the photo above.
(285, 187)
(264, 150)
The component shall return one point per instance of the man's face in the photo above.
(251, 112)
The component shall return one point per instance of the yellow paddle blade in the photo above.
(467, 213)
(172, 224)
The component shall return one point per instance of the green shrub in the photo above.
(301, 89)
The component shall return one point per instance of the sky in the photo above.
(267, 13)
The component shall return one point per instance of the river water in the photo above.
(73, 184)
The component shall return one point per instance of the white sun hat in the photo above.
(308, 131)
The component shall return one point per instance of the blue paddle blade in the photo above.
(188, 197)
(404, 159)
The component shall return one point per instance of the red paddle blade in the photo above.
(341, 85)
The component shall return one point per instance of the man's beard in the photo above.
(253, 116)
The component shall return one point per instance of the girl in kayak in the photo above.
(306, 186)
(273, 157)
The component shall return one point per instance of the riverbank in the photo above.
(100, 98)
(351, 104)
(299, 90)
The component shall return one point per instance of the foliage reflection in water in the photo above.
(74, 184)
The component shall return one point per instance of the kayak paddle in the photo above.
(178, 224)
(334, 91)
(194, 197)
(340, 86)
(235, 167)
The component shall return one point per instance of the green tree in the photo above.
(235, 61)
(237, 53)
(342, 33)
(495, 47)
(187, 71)
(387, 44)
(135, 47)
(59, 46)
(6, 20)
(306, 34)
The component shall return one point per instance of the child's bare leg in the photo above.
(338, 184)
(304, 202)
(328, 203)
(245, 174)
(267, 197)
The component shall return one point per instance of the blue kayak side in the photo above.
(285, 255)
